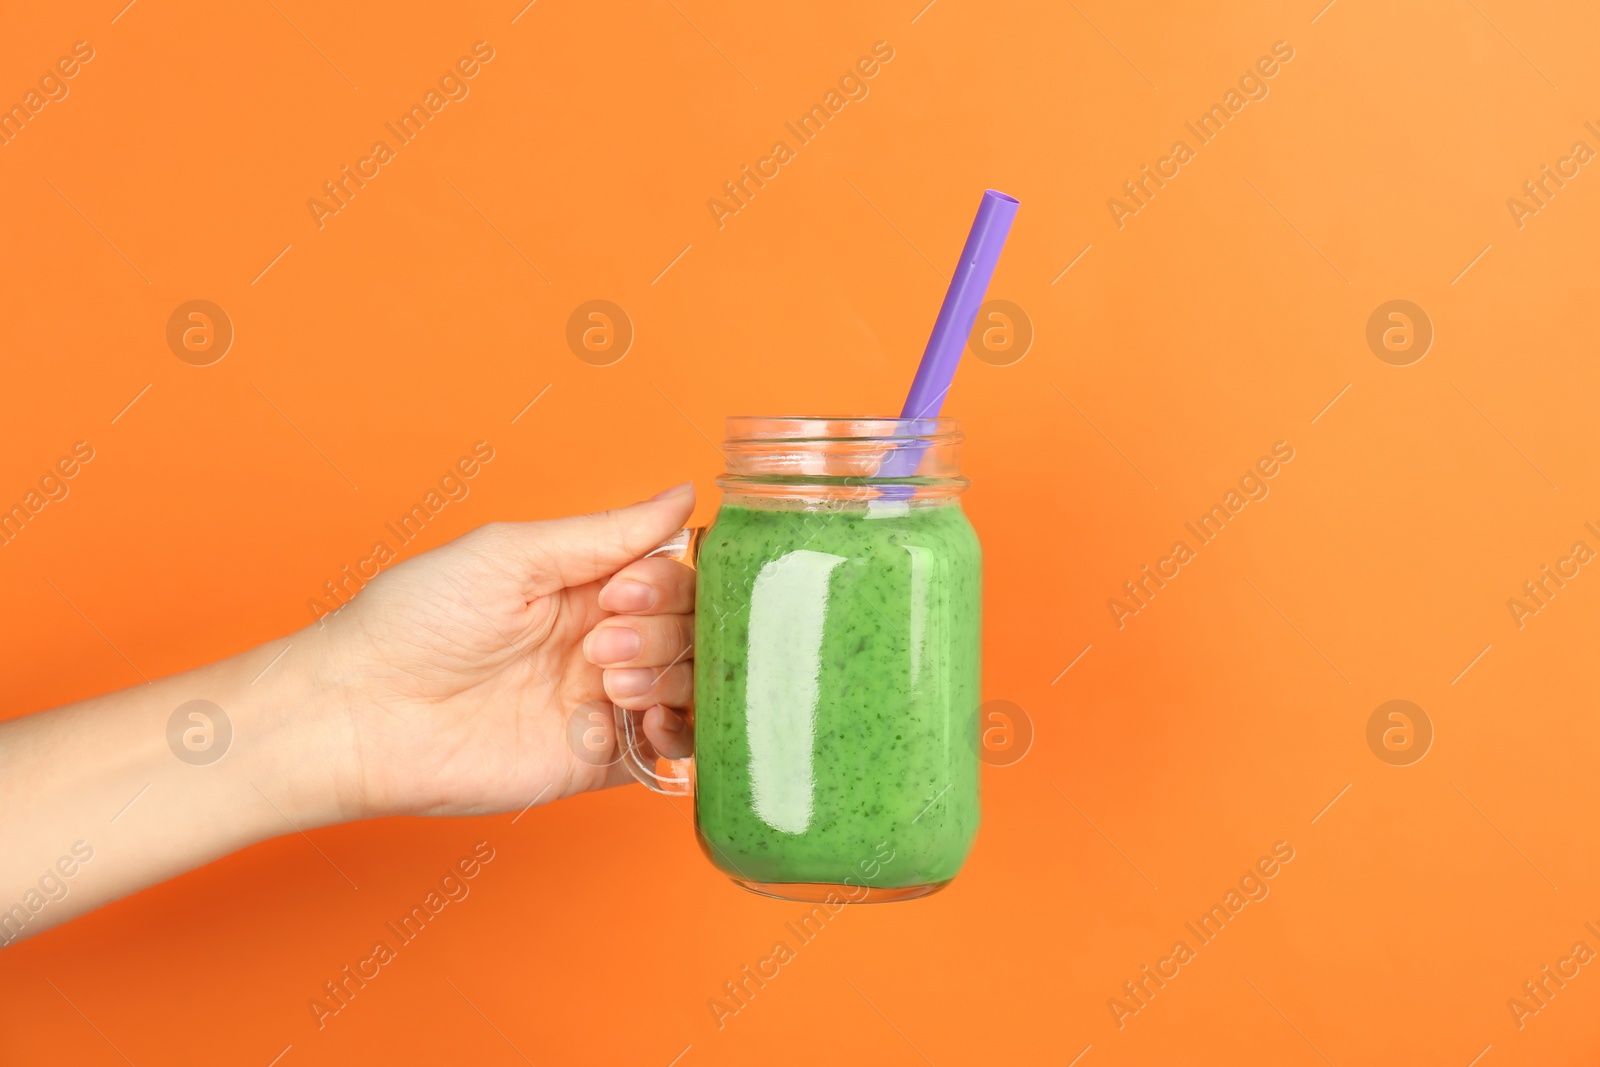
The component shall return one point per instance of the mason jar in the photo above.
(836, 661)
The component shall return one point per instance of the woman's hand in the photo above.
(464, 681)
(479, 677)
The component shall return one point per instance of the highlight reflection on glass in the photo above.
(788, 610)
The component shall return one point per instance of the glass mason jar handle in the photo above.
(674, 777)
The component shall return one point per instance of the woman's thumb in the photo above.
(559, 553)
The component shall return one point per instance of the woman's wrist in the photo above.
(293, 738)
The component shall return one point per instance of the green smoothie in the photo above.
(836, 692)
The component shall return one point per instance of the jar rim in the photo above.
(943, 429)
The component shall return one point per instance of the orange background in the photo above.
(1223, 317)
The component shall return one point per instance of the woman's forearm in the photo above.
(101, 798)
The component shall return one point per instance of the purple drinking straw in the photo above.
(937, 370)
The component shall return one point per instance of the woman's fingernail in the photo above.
(612, 644)
(627, 595)
(671, 721)
(632, 682)
(681, 489)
